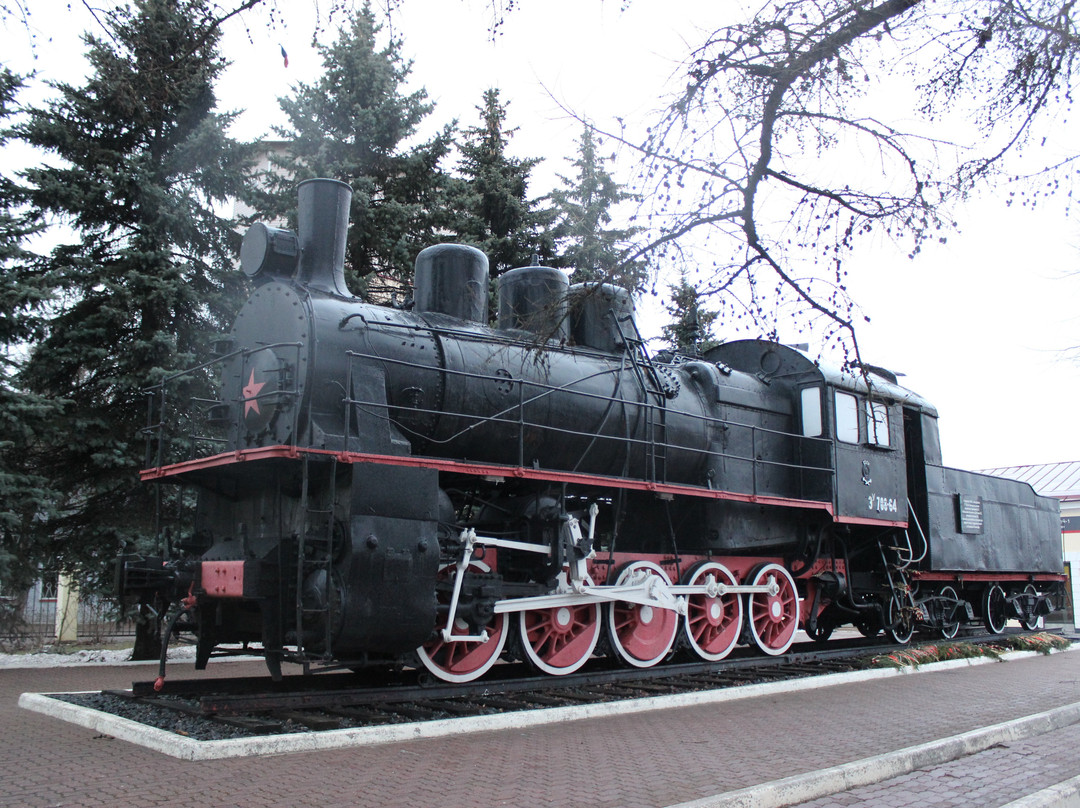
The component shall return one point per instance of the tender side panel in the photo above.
(982, 523)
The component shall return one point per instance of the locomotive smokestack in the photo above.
(323, 223)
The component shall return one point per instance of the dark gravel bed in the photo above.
(193, 726)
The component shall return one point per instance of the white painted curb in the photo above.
(1063, 795)
(179, 746)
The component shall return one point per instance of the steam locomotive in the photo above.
(387, 485)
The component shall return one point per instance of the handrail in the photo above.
(548, 389)
(922, 535)
(803, 475)
(515, 414)
(157, 429)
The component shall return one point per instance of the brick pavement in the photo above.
(638, 761)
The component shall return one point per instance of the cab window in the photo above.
(811, 412)
(877, 423)
(847, 418)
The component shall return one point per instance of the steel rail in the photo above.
(509, 679)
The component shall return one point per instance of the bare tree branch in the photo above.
(777, 146)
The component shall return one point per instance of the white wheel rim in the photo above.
(902, 635)
(996, 624)
(1040, 621)
(949, 630)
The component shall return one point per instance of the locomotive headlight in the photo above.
(269, 252)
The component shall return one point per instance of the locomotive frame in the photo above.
(379, 486)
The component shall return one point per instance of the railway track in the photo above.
(209, 709)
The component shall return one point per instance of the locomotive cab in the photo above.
(860, 416)
(871, 473)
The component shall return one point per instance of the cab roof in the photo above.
(771, 361)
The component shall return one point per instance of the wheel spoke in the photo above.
(625, 619)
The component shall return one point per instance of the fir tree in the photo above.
(352, 125)
(690, 329)
(18, 298)
(25, 495)
(596, 251)
(140, 166)
(491, 202)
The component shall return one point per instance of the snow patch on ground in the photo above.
(53, 659)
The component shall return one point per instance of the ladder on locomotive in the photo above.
(315, 553)
(651, 383)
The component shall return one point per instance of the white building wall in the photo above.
(1070, 543)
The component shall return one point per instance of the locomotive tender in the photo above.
(381, 486)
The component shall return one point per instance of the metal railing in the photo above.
(777, 463)
(530, 391)
(29, 621)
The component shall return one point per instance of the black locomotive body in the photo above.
(376, 485)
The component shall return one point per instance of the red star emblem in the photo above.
(250, 391)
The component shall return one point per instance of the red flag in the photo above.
(284, 55)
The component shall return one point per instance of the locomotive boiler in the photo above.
(384, 485)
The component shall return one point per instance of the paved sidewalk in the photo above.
(637, 761)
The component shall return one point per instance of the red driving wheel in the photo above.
(641, 634)
(774, 618)
(561, 639)
(712, 623)
(464, 660)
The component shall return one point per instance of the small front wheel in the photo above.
(950, 610)
(994, 609)
(901, 617)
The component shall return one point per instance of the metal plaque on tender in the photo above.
(969, 514)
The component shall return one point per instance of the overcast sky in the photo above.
(977, 325)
